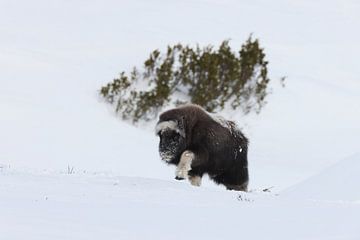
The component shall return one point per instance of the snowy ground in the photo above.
(54, 56)
(90, 206)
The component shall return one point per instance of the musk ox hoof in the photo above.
(179, 178)
(181, 173)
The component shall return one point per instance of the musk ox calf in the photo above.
(198, 143)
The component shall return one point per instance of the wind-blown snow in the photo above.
(55, 55)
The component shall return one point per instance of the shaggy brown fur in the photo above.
(218, 146)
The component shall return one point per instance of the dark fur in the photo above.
(220, 152)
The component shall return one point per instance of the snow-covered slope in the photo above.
(55, 55)
(61, 206)
(339, 182)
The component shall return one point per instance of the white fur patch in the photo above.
(184, 165)
(231, 126)
(222, 121)
(172, 125)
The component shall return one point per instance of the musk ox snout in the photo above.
(171, 145)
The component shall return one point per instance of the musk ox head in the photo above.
(172, 140)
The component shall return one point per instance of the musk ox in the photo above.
(199, 143)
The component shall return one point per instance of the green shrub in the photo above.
(214, 79)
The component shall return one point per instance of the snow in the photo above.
(336, 183)
(87, 206)
(55, 55)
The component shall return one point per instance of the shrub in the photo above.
(214, 79)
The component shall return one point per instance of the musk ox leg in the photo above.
(241, 187)
(184, 165)
(195, 180)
